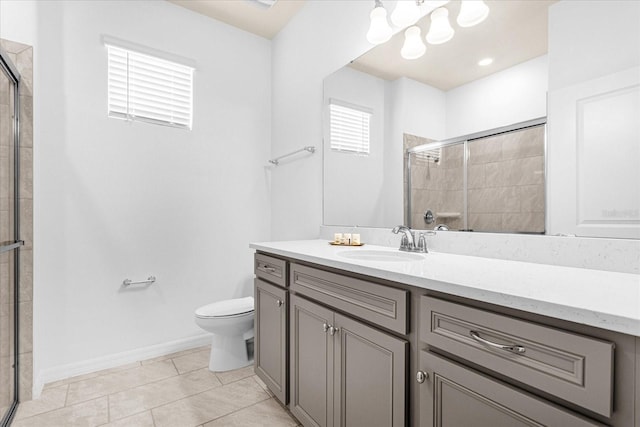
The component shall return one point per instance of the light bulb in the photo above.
(472, 12)
(440, 30)
(406, 13)
(379, 31)
(413, 47)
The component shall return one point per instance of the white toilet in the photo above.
(231, 323)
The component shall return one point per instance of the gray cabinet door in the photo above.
(311, 356)
(455, 396)
(270, 357)
(370, 376)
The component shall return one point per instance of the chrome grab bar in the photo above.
(513, 348)
(311, 149)
(11, 246)
(129, 282)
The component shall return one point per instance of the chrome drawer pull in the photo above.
(268, 269)
(518, 349)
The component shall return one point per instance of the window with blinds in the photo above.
(349, 127)
(150, 89)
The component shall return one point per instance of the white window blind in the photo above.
(147, 88)
(349, 127)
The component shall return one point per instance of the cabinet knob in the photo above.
(421, 377)
(325, 327)
(279, 303)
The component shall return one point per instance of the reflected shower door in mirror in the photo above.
(8, 249)
(490, 182)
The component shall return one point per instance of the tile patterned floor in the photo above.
(170, 391)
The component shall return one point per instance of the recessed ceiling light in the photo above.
(264, 3)
(484, 62)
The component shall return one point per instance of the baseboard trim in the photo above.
(61, 372)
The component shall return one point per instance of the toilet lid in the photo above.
(228, 307)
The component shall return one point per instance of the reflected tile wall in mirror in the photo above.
(505, 182)
(437, 185)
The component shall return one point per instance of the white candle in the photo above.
(346, 239)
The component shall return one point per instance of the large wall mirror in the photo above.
(444, 140)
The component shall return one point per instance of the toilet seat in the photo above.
(226, 308)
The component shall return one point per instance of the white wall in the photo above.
(417, 109)
(510, 96)
(361, 201)
(17, 21)
(116, 200)
(593, 144)
(320, 39)
(590, 39)
(422, 109)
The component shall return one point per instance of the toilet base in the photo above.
(228, 353)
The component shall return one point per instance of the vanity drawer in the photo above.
(271, 269)
(575, 368)
(379, 304)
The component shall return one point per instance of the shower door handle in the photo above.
(11, 246)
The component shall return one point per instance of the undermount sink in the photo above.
(380, 256)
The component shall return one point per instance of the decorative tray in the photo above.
(344, 244)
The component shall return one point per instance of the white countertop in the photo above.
(597, 298)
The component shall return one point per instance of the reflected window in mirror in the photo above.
(350, 127)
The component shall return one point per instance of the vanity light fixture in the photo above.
(486, 61)
(440, 30)
(379, 30)
(413, 47)
(472, 12)
(407, 12)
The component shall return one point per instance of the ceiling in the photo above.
(514, 32)
(254, 16)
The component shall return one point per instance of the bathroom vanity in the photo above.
(364, 336)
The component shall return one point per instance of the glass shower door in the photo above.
(9, 243)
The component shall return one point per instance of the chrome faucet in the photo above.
(408, 241)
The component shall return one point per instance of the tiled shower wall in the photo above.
(505, 184)
(438, 186)
(22, 57)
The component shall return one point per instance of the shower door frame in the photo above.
(12, 73)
